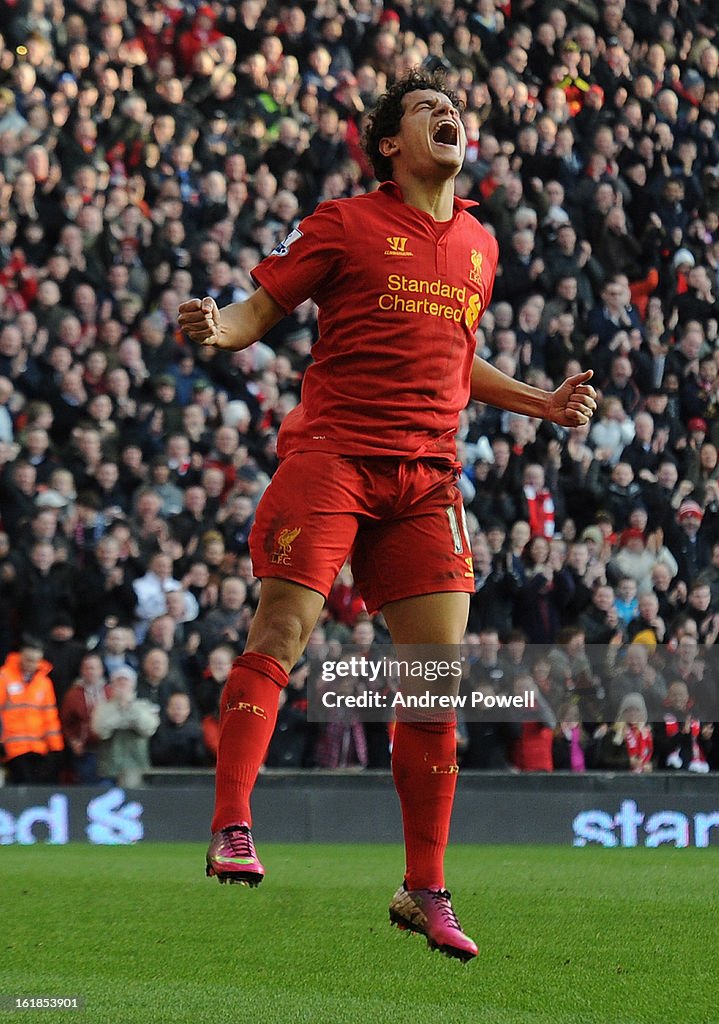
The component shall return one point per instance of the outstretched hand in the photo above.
(200, 320)
(574, 402)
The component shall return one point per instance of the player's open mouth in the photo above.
(446, 133)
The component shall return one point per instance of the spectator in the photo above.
(288, 746)
(124, 724)
(31, 734)
(154, 681)
(600, 621)
(150, 591)
(487, 743)
(687, 543)
(571, 745)
(45, 589)
(681, 741)
(64, 653)
(636, 674)
(532, 751)
(229, 621)
(178, 741)
(105, 595)
(76, 713)
(637, 557)
(627, 745)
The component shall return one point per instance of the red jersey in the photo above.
(400, 296)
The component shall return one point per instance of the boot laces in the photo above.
(239, 838)
(443, 902)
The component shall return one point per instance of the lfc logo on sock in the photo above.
(251, 709)
(445, 769)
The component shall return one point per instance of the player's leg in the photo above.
(424, 767)
(285, 617)
(418, 570)
(298, 544)
(424, 752)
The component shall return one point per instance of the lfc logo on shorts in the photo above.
(475, 274)
(282, 555)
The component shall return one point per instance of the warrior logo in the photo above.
(282, 555)
(397, 246)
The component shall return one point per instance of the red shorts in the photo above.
(401, 521)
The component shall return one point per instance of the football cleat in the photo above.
(231, 857)
(429, 912)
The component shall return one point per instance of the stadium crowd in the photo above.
(151, 150)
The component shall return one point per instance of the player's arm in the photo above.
(570, 405)
(233, 327)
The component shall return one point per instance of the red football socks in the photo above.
(248, 714)
(424, 767)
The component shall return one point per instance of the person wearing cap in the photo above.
(632, 560)
(199, 36)
(682, 261)
(123, 723)
(572, 84)
(30, 734)
(687, 544)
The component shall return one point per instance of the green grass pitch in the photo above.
(566, 936)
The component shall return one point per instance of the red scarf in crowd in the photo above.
(540, 511)
(673, 728)
(639, 744)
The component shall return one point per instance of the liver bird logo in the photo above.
(475, 274)
(285, 540)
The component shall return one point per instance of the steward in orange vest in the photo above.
(29, 722)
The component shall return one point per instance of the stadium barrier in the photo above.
(594, 809)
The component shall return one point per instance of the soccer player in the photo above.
(401, 277)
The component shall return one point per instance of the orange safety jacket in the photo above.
(29, 722)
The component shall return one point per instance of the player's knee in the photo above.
(279, 634)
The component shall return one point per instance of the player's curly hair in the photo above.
(386, 116)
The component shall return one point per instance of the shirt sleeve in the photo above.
(304, 264)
